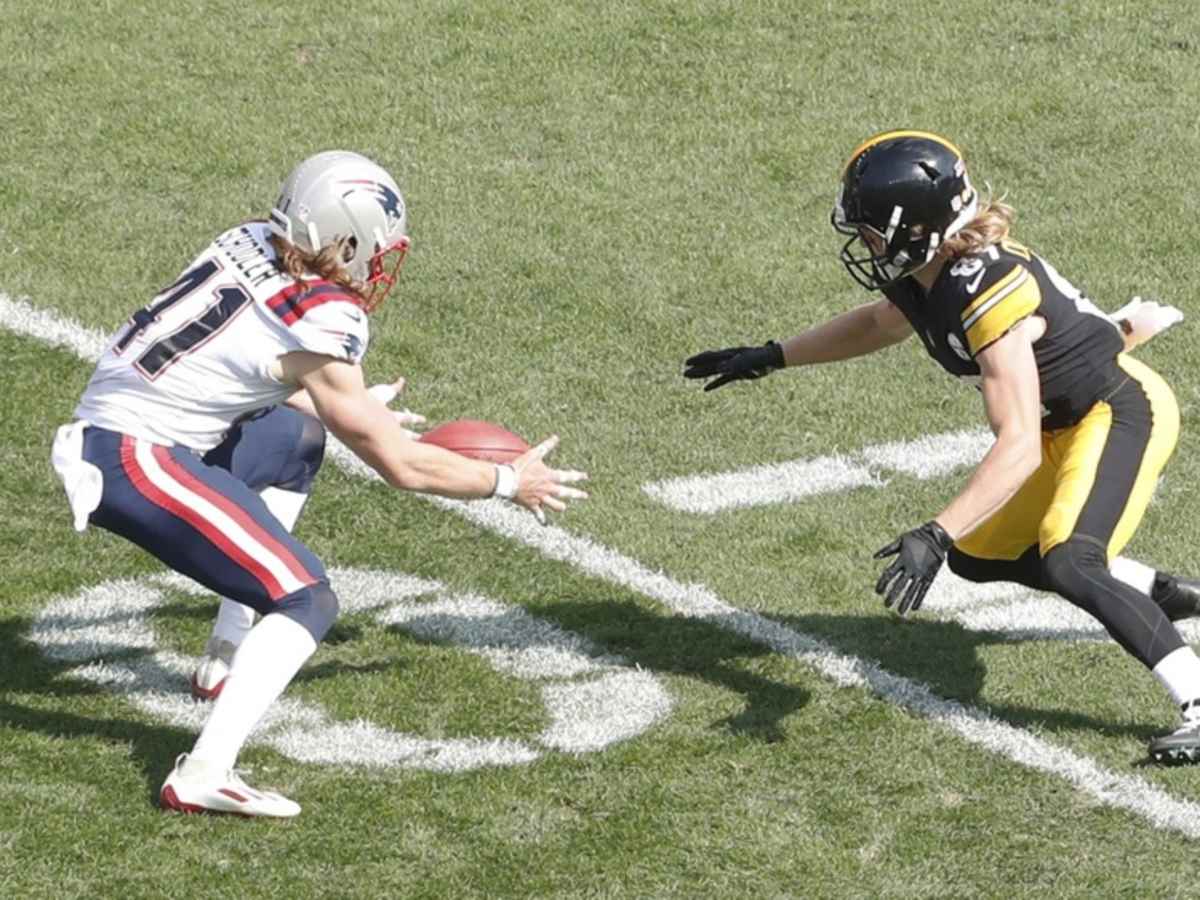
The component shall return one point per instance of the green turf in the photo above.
(595, 192)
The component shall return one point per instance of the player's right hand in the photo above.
(734, 364)
(539, 487)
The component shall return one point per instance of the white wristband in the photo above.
(506, 482)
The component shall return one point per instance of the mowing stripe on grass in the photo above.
(1120, 791)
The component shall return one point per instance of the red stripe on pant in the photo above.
(235, 512)
(141, 481)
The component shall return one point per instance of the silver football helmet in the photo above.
(339, 194)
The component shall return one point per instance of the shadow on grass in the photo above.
(319, 671)
(204, 610)
(38, 696)
(944, 656)
(693, 648)
(28, 672)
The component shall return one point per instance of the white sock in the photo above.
(265, 663)
(1179, 672)
(1137, 575)
(234, 620)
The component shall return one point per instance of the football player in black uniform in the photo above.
(1082, 429)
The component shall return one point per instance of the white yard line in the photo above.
(924, 458)
(1122, 791)
(760, 485)
(23, 318)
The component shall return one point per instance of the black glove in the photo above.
(921, 553)
(734, 364)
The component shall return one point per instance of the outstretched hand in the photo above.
(734, 364)
(919, 555)
(539, 487)
(406, 418)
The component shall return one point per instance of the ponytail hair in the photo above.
(990, 226)
(326, 263)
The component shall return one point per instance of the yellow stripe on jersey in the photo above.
(888, 135)
(987, 295)
(1000, 307)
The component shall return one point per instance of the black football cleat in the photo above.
(1181, 746)
(1178, 597)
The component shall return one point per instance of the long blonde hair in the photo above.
(990, 226)
(325, 263)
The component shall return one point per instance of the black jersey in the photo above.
(977, 299)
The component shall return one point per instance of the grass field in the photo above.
(637, 701)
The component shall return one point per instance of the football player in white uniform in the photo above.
(193, 438)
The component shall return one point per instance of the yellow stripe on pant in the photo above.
(1163, 437)
(1096, 478)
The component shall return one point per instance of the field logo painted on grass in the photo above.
(591, 699)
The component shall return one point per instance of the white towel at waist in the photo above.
(83, 482)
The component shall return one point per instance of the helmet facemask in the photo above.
(900, 250)
(383, 271)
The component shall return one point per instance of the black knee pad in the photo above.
(315, 607)
(1071, 570)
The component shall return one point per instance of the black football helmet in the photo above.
(908, 191)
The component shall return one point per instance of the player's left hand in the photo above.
(407, 419)
(919, 555)
(539, 487)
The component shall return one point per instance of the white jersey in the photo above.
(199, 357)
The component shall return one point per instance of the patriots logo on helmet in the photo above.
(388, 200)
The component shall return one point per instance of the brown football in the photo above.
(478, 440)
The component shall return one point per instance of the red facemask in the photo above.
(384, 269)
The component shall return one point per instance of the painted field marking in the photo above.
(925, 457)
(23, 318)
(592, 699)
(1118, 790)
(1018, 613)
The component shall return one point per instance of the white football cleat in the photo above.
(213, 668)
(200, 789)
